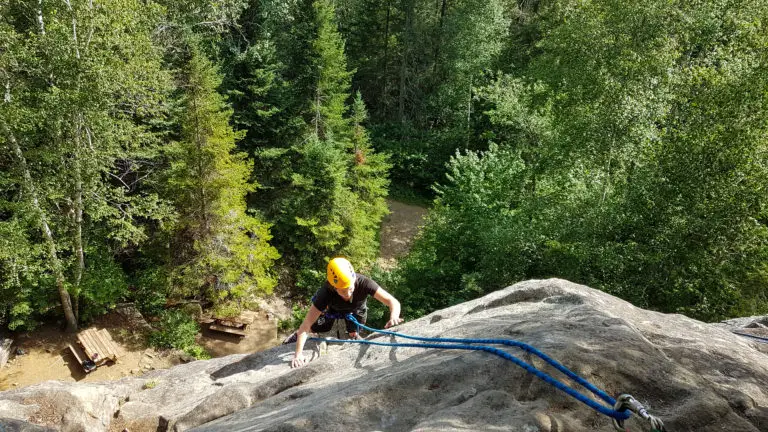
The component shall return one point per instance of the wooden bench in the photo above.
(227, 329)
(96, 348)
(87, 365)
(234, 325)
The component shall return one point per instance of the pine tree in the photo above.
(218, 249)
(326, 189)
(368, 182)
(332, 85)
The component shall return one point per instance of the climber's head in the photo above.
(342, 276)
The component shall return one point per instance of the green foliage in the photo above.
(103, 286)
(198, 352)
(420, 64)
(620, 165)
(298, 313)
(324, 186)
(150, 290)
(621, 145)
(229, 309)
(19, 269)
(452, 257)
(178, 331)
(77, 140)
(308, 280)
(219, 249)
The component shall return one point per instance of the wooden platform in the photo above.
(228, 329)
(233, 325)
(95, 348)
(244, 319)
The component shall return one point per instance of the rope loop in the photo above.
(618, 409)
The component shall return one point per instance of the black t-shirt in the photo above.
(327, 297)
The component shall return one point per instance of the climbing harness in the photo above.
(619, 410)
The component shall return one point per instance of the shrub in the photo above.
(177, 331)
(297, 317)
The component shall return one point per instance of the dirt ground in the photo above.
(398, 230)
(46, 356)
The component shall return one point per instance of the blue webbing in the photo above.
(460, 343)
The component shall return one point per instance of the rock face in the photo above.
(695, 376)
(5, 350)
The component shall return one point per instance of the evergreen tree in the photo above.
(218, 249)
(325, 192)
(367, 179)
(331, 88)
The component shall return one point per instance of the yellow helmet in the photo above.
(340, 273)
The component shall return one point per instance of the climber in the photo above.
(344, 292)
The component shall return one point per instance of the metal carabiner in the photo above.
(627, 402)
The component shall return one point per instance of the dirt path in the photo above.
(398, 230)
(47, 357)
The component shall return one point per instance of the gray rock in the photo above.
(695, 376)
(12, 425)
(5, 350)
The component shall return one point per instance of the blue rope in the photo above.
(462, 344)
(762, 339)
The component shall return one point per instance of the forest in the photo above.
(157, 150)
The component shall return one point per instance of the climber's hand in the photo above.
(299, 360)
(393, 322)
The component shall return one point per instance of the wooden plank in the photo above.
(227, 329)
(92, 347)
(109, 352)
(230, 323)
(86, 344)
(77, 353)
(114, 350)
(106, 341)
(248, 317)
(245, 318)
(87, 365)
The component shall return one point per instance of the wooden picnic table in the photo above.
(96, 347)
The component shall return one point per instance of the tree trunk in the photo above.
(40, 21)
(439, 38)
(66, 303)
(469, 103)
(385, 87)
(404, 64)
(317, 113)
(74, 29)
(78, 216)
